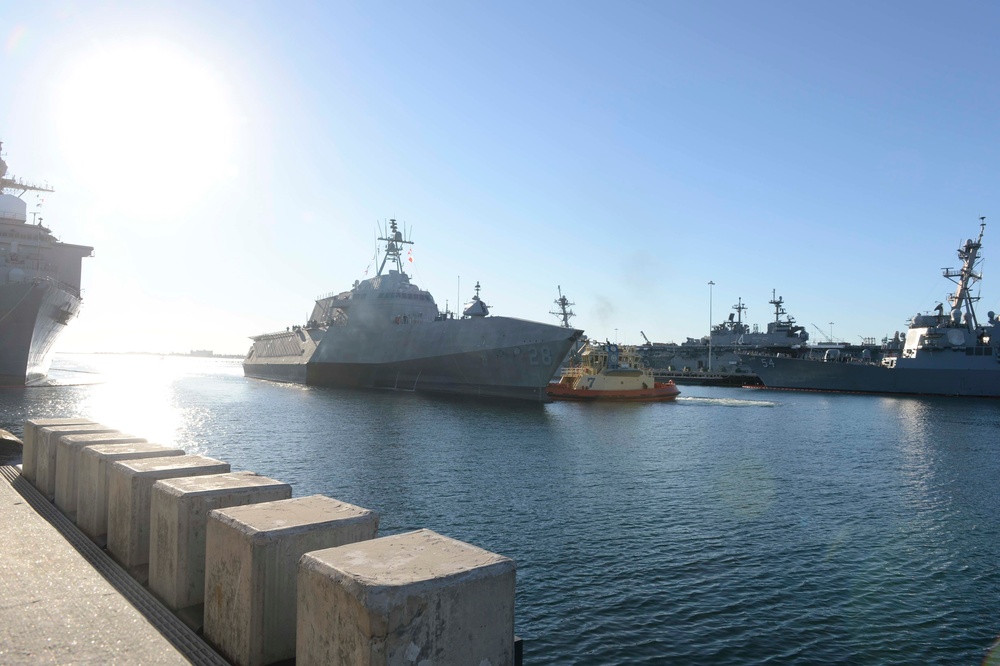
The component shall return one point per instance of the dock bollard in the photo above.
(47, 439)
(179, 510)
(251, 556)
(29, 454)
(405, 599)
(92, 482)
(130, 485)
(68, 450)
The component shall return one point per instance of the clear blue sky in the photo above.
(229, 160)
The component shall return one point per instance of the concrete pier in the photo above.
(270, 579)
(405, 599)
(47, 438)
(251, 556)
(130, 485)
(92, 482)
(29, 459)
(179, 510)
(64, 606)
(68, 461)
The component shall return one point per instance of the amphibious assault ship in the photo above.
(39, 285)
(944, 353)
(386, 332)
(714, 359)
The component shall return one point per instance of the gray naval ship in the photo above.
(714, 359)
(944, 353)
(39, 286)
(388, 333)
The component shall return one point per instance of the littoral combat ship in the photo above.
(388, 333)
(944, 353)
(39, 286)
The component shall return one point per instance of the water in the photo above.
(733, 526)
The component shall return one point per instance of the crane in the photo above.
(645, 338)
(829, 338)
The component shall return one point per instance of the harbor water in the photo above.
(733, 526)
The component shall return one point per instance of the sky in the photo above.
(231, 161)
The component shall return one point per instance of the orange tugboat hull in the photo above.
(659, 393)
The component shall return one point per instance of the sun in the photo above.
(146, 120)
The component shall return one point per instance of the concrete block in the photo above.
(411, 598)
(130, 484)
(29, 456)
(92, 482)
(68, 461)
(251, 556)
(179, 510)
(48, 438)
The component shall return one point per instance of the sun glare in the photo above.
(146, 122)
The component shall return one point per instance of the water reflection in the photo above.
(716, 529)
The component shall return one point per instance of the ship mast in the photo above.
(777, 302)
(740, 309)
(394, 243)
(966, 278)
(563, 313)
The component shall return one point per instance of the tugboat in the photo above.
(610, 372)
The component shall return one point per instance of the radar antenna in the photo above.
(965, 278)
(394, 243)
(777, 302)
(564, 313)
(740, 309)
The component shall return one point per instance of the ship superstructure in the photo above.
(944, 352)
(689, 361)
(386, 332)
(39, 285)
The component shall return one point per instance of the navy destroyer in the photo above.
(944, 353)
(386, 332)
(39, 285)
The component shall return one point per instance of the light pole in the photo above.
(616, 336)
(710, 285)
(831, 331)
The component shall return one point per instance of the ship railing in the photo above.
(75, 291)
(38, 277)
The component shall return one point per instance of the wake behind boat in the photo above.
(610, 372)
(39, 286)
(388, 333)
(944, 353)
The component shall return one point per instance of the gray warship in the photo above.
(714, 359)
(39, 286)
(944, 353)
(386, 332)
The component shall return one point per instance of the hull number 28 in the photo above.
(540, 356)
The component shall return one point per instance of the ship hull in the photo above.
(32, 315)
(488, 357)
(974, 377)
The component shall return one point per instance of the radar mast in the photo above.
(394, 243)
(563, 313)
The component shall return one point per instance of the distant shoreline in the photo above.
(191, 354)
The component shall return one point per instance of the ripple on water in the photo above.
(729, 527)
